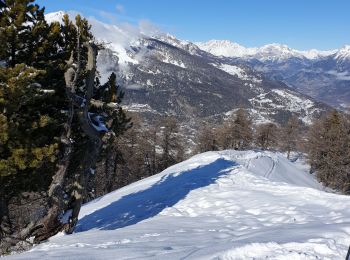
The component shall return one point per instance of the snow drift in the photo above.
(216, 205)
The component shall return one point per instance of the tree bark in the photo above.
(94, 143)
(59, 205)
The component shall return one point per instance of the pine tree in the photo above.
(32, 104)
(20, 25)
(33, 111)
(52, 125)
(23, 147)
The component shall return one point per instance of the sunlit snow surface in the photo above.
(216, 205)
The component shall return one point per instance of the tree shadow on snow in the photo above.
(145, 204)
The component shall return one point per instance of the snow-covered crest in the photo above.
(343, 53)
(216, 205)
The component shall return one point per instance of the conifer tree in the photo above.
(206, 139)
(20, 25)
(31, 104)
(52, 125)
(328, 149)
(170, 142)
(23, 148)
(29, 85)
(118, 122)
(242, 134)
(224, 136)
(290, 135)
(266, 135)
(237, 132)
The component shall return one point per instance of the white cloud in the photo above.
(110, 17)
(120, 8)
(148, 28)
(340, 75)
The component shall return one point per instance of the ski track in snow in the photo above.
(216, 205)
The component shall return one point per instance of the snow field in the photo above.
(216, 205)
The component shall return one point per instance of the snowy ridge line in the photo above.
(216, 205)
(271, 51)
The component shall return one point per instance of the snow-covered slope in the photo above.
(343, 53)
(323, 75)
(216, 205)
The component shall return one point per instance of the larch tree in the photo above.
(290, 134)
(170, 143)
(236, 132)
(328, 150)
(206, 139)
(242, 133)
(266, 135)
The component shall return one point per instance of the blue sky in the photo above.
(301, 24)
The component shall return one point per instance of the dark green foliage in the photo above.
(31, 96)
(35, 105)
(32, 103)
(116, 120)
(24, 144)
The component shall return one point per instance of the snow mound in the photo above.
(216, 205)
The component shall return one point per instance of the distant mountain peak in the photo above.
(56, 16)
(343, 53)
(226, 48)
(266, 52)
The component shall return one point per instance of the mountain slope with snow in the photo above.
(216, 205)
(323, 75)
(162, 75)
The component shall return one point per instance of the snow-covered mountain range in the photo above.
(266, 52)
(216, 205)
(164, 75)
(324, 75)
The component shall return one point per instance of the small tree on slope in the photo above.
(266, 135)
(290, 135)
